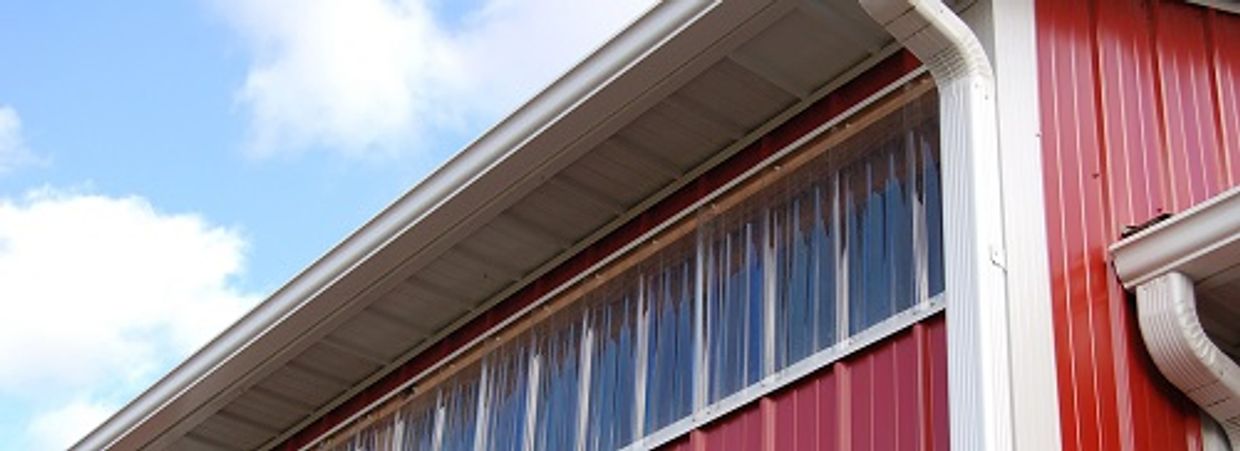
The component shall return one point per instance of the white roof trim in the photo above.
(1162, 263)
(639, 60)
(1194, 242)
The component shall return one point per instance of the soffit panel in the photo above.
(293, 383)
(741, 91)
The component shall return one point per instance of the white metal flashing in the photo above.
(979, 371)
(1162, 263)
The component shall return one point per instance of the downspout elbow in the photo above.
(938, 37)
(1180, 348)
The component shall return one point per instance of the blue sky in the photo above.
(165, 165)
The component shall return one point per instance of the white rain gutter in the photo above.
(979, 370)
(1162, 263)
(215, 371)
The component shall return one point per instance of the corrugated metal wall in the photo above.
(1140, 116)
(891, 397)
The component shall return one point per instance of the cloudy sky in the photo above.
(165, 165)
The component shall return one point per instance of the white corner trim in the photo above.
(1035, 387)
(1179, 346)
(1194, 242)
(979, 371)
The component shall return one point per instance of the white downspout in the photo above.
(1167, 312)
(979, 370)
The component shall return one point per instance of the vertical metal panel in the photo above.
(1125, 60)
(892, 396)
(1138, 119)
(1189, 109)
(1069, 131)
(934, 387)
(1225, 37)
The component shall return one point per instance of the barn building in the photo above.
(785, 225)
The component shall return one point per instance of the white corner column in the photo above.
(1009, 30)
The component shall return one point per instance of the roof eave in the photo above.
(460, 189)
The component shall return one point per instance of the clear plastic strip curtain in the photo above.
(840, 243)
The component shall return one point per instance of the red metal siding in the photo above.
(891, 397)
(1139, 117)
(1225, 39)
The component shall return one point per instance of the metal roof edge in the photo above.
(628, 48)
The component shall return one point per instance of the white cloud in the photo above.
(379, 76)
(61, 427)
(101, 295)
(13, 150)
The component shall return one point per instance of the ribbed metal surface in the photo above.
(891, 397)
(1183, 351)
(773, 71)
(1138, 118)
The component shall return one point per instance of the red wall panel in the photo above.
(892, 396)
(1139, 117)
(1225, 42)
(1185, 66)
